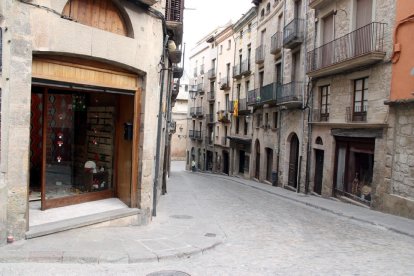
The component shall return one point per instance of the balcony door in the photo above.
(363, 34)
(327, 36)
(293, 162)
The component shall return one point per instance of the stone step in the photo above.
(113, 217)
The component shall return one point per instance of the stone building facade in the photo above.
(66, 72)
(179, 118)
(396, 192)
(320, 118)
(348, 62)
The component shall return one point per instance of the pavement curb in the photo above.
(96, 257)
(373, 223)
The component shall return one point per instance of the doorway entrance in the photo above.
(242, 156)
(257, 168)
(225, 162)
(293, 161)
(84, 146)
(319, 156)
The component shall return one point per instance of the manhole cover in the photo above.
(169, 273)
(181, 217)
(210, 235)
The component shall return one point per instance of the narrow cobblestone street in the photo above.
(263, 235)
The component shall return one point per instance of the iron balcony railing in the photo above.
(293, 33)
(192, 87)
(224, 83)
(270, 93)
(319, 116)
(260, 54)
(245, 67)
(231, 106)
(212, 73)
(200, 88)
(191, 134)
(253, 97)
(210, 118)
(243, 105)
(199, 111)
(365, 40)
(198, 135)
(237, 71)
(276, 43)
(356, 113)
(193, 111)
(291, 92)
(211, 96)
(174, 10)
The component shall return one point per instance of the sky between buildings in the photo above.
(202, 16)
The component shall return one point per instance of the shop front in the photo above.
(354, 164)
(84, 137)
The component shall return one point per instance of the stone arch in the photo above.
(105, 15)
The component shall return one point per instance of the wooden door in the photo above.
(293, 161)
(363, 32)
(124, 149)
(257, 171)
(269, 164)
(319, 156)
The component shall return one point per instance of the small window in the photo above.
(266, 120)
(259, 120)
(237, 125)
(249, 28)
(275, 120)
(229, 44)
(262, 14)
(241, 34)
(268, 8)
(246, 126)
(186, 88)
(221, 49)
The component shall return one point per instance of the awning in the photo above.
(358, 132)
(240, 140)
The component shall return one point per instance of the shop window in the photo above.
(81, 132)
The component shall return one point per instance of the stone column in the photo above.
(16, 98)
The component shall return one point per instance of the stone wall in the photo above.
(396, 194)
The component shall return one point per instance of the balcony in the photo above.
(291, 95)
(175, 55)
(243, 107)
(260, 54)
(245, 67)
(199, 111)
(210, 119)
(212, 74)
(318, 4)
(192, 111)
(202, 69)
(270, 93)
(318, 116)
(192, 87)
(174, 19)
(253, 97)
(225, 83)
(177, 71)
(211, 96)
(293, 33)
(195, 135)
(356, 114)
(276, 43)
(200, 88)
(362, 47)
(237, 71)
(223, 116)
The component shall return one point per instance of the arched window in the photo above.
(102, 15)
(318, 141)
(268, 8)
(262, 14)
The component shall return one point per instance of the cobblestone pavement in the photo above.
(265, 235)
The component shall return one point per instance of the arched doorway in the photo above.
(257, 167)
(293, 161)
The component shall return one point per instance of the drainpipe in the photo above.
(157, 154)
(279, 132)
(310, 114)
